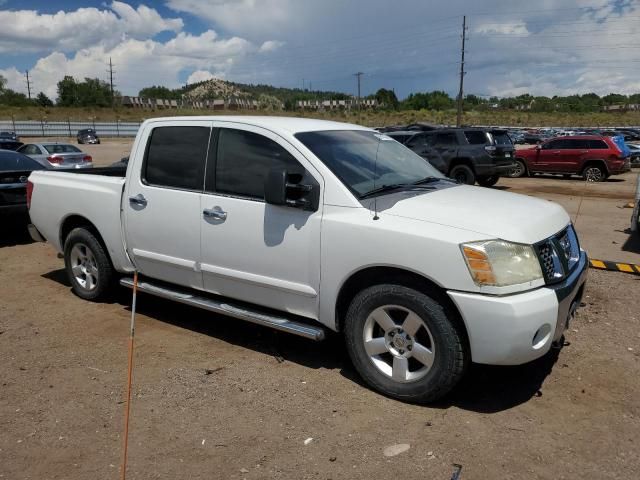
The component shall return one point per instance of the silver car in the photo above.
(57, 155)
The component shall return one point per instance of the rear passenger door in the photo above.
(446, 144)
(161, 207)
(572, 156)
(253, 251)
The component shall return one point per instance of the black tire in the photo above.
(519, 171)
(96, 267)
(463, 174)
(489, 181)
(594, 173)
(449, 360)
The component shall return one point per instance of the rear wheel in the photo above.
(519, 169)
(489, 181)
(594, 173)
(404, 344)
(463, 174)
(88, 267)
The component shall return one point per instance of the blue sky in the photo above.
(545, 47)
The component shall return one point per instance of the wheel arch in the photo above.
(376, 275)
(461, 161)
(597, 162)
(78, 221)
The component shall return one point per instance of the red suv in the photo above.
(592, 156)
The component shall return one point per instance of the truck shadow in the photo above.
(14, 231)
(484, 389)
(632, 243)
(492, 389)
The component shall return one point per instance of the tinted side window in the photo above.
(176, 157)
(598, 144)
(416, 140)
(446, 139)
(579, 144)
(476, 137)
(243, 161)
(556, 145)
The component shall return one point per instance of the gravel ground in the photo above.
(219, 398)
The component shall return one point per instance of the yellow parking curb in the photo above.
(615, 266)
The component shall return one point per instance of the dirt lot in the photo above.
(217, 398)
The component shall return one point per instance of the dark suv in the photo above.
(468, 155)
(88, 135)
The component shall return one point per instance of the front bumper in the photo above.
(516, 329)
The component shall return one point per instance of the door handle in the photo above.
(138, 200)
(216, 213)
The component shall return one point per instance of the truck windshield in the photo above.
(365, 160)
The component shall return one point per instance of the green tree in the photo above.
(92, 92)
(159, 92)
(43, 100)
(387, 98)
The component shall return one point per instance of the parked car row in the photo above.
(482, 155)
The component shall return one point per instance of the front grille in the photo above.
(558, 255)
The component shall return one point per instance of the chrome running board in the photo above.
(224, 307)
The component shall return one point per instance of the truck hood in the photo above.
(491, 213)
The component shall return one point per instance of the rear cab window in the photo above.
(176, 157)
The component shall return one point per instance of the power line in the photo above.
(28, 84)
(462, 72)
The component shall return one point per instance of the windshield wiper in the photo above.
(426, 180)
(395, 186)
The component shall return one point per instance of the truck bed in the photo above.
(71, 195)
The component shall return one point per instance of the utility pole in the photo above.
(358, 75)
(28, 84)
(462, 72)
(111, 80)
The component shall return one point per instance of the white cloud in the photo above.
(31, 31)
(509, 28)
(246, 17)
(201, 76)
(270, 46)
(139, 63)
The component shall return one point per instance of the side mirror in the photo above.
(286, 189)
(538, 146)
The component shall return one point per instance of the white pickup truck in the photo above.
(306, 225)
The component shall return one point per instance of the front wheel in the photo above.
(88, 267)
(463, 174)
(489, 181)
(404, 344)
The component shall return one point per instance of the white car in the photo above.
(307, 226)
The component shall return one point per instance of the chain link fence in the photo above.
(43, 128)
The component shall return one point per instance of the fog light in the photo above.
(541, 337)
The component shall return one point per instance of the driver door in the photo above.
(251, 250)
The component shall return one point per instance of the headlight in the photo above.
(498, 263)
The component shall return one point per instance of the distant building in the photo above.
(232, 103)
